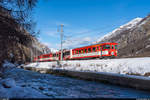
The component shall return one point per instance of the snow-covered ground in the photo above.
(138, 66)
(20, 83)
(10, 89)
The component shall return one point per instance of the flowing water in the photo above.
(64, 87)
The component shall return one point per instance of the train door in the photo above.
(66, 54)
(100, 49)
(114, 47)
(59, 55)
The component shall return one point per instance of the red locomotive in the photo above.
(87, 52)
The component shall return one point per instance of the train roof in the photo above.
(97, 45)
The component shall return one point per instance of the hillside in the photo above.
(133, 38)
(16, 44)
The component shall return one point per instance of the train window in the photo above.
(115, 46)
(101, 47)
(106, 47)
(94, 49)
(67, 53)
(45, 56)
(77, 52)
(85, 50)
(89, 49)
(97, 48)
(81, 51)
(54, 55)
(112, 46)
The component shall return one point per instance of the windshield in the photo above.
(106, 47)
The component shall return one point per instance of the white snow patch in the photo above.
(147, 46)
(43, 64)
(144, 22)
(9, 82)
(8, 64)
(19, 92)
(53, 50)
(121, 66)
(132, 23)
(11, 55)
(9, 88)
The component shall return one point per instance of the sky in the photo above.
(84, 21)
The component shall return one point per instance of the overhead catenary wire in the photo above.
(61, 36)
(105, 29)
(71, 36)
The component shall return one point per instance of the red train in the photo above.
(87, 52)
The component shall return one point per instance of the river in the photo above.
(65, 87)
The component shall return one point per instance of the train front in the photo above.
(109, 50)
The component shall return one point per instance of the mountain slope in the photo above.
(133, 38)
(16, 44)
(119, 30)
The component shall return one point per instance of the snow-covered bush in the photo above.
(8, 64)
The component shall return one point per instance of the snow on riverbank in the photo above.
(20, 83)
(9, 88)
(139, 66)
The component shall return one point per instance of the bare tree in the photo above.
(21, 11)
